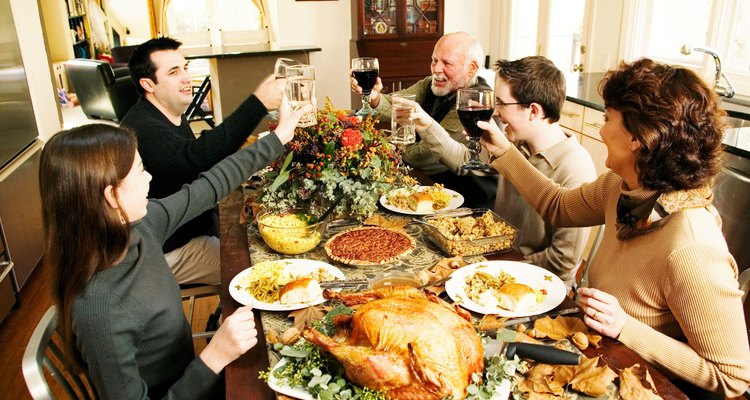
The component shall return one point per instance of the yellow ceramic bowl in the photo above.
(288, 232)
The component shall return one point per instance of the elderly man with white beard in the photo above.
(455, 61)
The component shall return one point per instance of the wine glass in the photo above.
(365, 71)
(474, 105)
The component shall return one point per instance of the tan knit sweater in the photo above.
(678, 284)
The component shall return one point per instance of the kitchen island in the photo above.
(236, 70)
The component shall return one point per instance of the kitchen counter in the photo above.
(237, 70)
(584, 89)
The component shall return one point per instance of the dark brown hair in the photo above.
(535, 79)
(83, 234)
(140, 64)
(676, 118)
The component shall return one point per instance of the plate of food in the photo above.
(505, 288)
(283, 285)
(369, 245)
(421, 200)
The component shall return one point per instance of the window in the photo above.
(552, 28)
(660, 28)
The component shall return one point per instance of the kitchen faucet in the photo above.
(722, 90)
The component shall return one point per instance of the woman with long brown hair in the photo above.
(119, 304)
(662, 281)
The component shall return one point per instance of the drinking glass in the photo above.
(474, 105)
(279, 69)
(300, 90)
(365, 71)
(402, 125)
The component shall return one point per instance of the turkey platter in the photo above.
(404, 342)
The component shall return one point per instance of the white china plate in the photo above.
(536, 277)
(456, 200)
(296, 267)
(281, 387)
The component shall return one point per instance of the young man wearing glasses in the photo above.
(529, 94)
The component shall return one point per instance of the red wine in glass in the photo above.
(365, 71)
(472, 105)
(469, 117)
(366, 78)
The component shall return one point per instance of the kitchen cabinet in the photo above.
(401, 34)
(585, 123)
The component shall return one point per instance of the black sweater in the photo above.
(174, 157)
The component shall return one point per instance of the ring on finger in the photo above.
(596, 315)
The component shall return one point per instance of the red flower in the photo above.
(350, 138)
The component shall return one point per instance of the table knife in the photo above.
(553, 314)
(344, 283)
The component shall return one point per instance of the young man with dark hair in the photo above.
(174, 156)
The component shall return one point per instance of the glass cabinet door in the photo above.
(383, 19)
(422, 16)
(380, 17)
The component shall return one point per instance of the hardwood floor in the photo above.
(16, 329)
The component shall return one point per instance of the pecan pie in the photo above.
(369, 245)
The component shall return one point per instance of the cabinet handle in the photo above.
(595, 125)
(570, 114)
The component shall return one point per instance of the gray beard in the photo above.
(439, 92)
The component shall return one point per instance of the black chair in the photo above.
(103, 92)
(194, 111)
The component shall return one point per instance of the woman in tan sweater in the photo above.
(662, 282)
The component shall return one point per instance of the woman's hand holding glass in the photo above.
(493, 139)
(289, 119)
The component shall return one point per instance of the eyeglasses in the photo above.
(500, 103)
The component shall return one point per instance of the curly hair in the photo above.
(675, 117)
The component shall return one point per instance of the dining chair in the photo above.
(44, 357)
(191, 292)
(194, 112)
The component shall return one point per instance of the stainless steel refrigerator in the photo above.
(20, 209)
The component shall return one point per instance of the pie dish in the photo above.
(369, 245)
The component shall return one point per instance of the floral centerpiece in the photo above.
(341, 159)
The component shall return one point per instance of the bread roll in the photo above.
(420, 202)
(303, 290)
(516, 297)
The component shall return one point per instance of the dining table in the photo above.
(242, 376)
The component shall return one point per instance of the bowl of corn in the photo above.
(293, 231)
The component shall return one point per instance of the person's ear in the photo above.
(535, 111)
(110, 197)
(635, 145)
(473, 68)
(147, 84)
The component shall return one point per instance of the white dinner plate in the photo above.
(281, 387)
(456, 200)
(536, 277)
(296, 267)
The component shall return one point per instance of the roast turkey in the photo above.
(406, 343)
